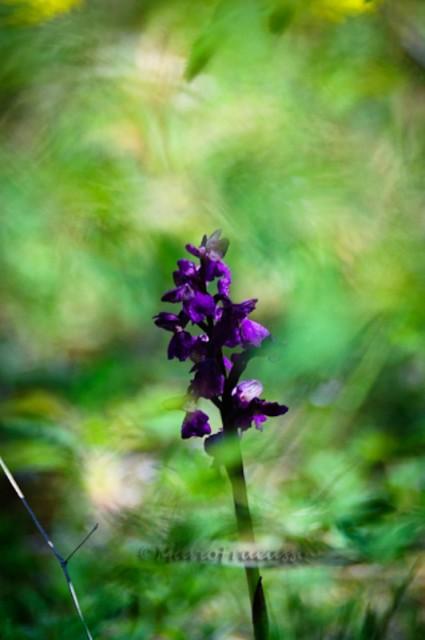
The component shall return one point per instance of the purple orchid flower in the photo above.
(195, 424)
(222, 324)
(248, 407)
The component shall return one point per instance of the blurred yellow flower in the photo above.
(35, 11)
(338, 9)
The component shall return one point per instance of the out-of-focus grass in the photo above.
(128, 129)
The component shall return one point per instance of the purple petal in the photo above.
(183, 292)
(241, 310)
(259, 420)
(233, 338)
(208, 381)
(227, 363)
(193, 250)
(224, 274)
(246, 391)
(271, 409)
(199, 306)
(208, 269)
(223, 285)
(242, 418)
(216, 269)
(181, 345)
(167, 321)
(226, 329)
(195, 424)
(200, 349)
(187, 267)
(186, 272)
(257, 410)
(218, 313)
(253, 333)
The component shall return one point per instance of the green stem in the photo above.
(236, 474)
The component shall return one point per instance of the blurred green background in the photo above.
(127, 129)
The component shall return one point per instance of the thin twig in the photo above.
(83, 541)
(62, 561)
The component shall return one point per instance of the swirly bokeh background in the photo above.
(127, 129)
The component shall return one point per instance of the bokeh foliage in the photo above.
(128, 128)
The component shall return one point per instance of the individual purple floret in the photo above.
(209, 379)
(247, 407)
(207, 323)
(195, 424)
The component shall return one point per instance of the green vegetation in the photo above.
(127, 129)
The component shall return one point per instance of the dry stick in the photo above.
(62, 561)
(236, 474)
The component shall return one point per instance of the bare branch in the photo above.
(62, 561)
(83, 541)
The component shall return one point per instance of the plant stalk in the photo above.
(235, 471)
